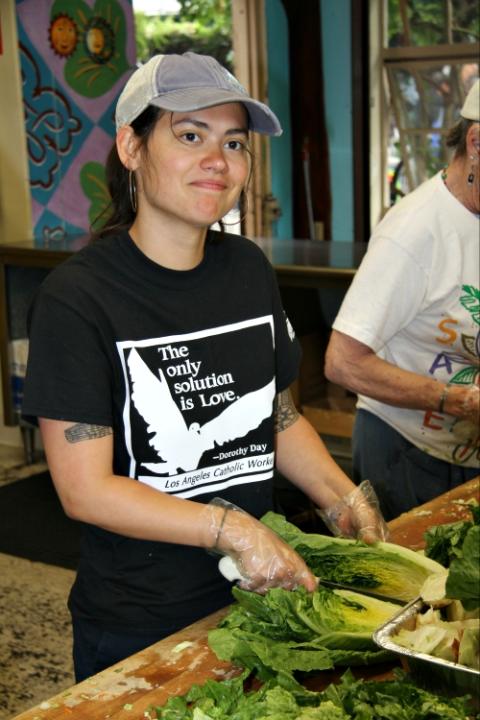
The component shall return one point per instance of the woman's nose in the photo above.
(214, 159)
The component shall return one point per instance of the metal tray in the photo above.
(432, 673)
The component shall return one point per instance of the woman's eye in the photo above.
(235, 145)
(190, 137)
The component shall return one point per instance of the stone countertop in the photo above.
(35, 633)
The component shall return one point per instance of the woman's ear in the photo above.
(473, 141)
(127, 147)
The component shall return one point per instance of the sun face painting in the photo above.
(92, 40)
(63, 35)
(99, 40)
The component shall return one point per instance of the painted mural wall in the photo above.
(75, 57)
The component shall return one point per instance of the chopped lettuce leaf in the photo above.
(463, 582)
(469, 650)
(433, 591)
(284, 699)
(456, 641)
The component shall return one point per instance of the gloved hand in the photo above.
(356, 515)
(262, 557)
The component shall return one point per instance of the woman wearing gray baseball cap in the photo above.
(160, 365)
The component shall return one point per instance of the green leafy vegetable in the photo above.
(300, 631)
(457, 546)
(463, 581)
(385, 568)
(443, 543)
(284, 699)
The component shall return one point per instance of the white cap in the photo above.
(471, 106)
(181, 83)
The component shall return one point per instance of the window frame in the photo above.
(383, 62)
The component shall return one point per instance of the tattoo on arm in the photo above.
(80, 431)
(285, 412)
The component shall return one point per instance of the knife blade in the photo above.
(231, 572)
(361, 591)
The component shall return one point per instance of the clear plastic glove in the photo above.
(356, 515)
(262, 557)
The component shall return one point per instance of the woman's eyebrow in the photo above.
(205, 126)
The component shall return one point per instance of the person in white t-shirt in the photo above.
(407, 336)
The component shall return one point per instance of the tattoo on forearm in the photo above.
(285, 412)
(81, 431)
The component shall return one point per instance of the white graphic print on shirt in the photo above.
(192, 425)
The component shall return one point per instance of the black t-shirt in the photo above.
(184, 366)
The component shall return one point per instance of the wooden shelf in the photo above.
(331, 415)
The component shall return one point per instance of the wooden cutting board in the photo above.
(408, 529)
(130, 689)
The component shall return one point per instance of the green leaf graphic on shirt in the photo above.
(98, 59)
(94, 185)
(471, 301)
(466, 376)
(468, 343)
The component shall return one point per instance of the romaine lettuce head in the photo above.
(386, 568)
(300, 631)
(301, 615)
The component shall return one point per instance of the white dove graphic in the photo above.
(179, 446)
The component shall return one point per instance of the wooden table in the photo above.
(408, 529)
(170, 667)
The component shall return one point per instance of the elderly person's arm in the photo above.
(355, 366)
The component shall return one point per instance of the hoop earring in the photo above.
(132, 190)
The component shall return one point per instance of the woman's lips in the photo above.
(209, 185)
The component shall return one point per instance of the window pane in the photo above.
(432, 22)
(430, 95)
(426, 156)
(426, 98)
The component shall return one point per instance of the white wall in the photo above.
(15, 206)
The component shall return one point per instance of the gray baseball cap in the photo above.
(181, 83)
(471, 106)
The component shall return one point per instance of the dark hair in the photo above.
(120, 212)
(457, 136)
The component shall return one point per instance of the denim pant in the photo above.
(95, 649)
(403, 476)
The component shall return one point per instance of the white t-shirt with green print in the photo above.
(415, 301)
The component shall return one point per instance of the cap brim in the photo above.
(261, 118)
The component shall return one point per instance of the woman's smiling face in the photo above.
(195, 166)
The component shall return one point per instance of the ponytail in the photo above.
(120, 213)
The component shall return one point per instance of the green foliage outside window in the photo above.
(429, 23)
(204, 26)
